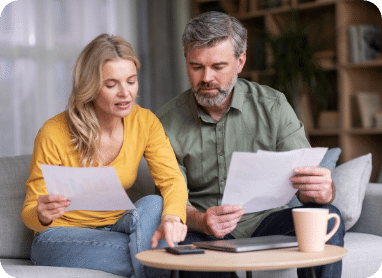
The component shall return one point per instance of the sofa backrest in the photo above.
(144, 184)
(15, 237)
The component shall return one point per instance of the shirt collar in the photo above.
(238, 96)
(193, 106)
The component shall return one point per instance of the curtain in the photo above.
(41, 39)
(163, 74)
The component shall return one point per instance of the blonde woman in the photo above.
(104, 127)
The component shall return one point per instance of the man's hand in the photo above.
(172, 229)
(219, 221)
(51, 207)
(314, 184)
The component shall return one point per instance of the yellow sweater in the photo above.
(143, 136)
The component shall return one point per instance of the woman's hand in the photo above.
(51, 207)
(172, 229)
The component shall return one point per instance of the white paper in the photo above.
(260, 181)
(87, 188)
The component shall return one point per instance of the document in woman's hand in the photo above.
(88, 188)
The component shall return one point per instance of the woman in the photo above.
(104, 127)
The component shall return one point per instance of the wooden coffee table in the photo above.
(248, 261)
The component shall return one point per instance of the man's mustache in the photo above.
(207, 85)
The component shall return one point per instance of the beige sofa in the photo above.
(363, 241)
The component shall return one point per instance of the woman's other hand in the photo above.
(51, 207)
(172, 229)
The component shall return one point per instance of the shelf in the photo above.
(368, 64)
(262, 13)
(337, 132)
(324, 132)
(314, 6)
(365, 131)
(268, 72)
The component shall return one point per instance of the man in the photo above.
(221, 114)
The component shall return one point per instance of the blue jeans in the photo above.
(111, 248)
(281, 223)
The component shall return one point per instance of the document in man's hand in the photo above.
(88, 188)
(260, 181)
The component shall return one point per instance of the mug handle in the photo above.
(336, 226)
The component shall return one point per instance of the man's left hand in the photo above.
(314, 184)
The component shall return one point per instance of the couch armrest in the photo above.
(370, 221)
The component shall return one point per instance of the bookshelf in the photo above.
(346, 78)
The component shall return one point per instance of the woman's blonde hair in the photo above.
(87, 81)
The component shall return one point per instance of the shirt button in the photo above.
(219, 129)
(221, 153)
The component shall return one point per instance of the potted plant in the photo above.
(294, 62)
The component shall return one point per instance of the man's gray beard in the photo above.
(210, 101)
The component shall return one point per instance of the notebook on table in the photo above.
(249, 244)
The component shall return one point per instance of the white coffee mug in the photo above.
(311, 225)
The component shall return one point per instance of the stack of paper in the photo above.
(260, 181)
(87, 188)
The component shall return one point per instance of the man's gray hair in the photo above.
(210, 28)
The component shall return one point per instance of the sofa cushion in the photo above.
(351, 179)
(329, 161)
(14, 171)
(15, 237)
(4, 262)
(364, 255)
(144, 184)
(370, 221)
(24, 269)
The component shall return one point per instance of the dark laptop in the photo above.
(249, 244)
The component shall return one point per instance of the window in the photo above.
(39, 43)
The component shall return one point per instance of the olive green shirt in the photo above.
(259, 118)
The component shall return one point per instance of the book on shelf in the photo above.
(370, 41)
(364, 42)
(379, 180)
(378, 119)
(353, 44)
(369, 104)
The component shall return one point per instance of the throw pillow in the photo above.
(351, 179)
(329, 161)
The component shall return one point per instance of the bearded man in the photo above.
(222, 113)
